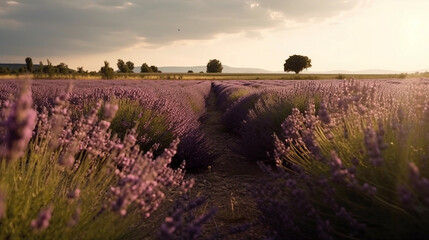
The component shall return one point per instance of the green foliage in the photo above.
(154, 68)
(235, 95)
(402, 75)
(80, 70)
(385, 149)
(106, 71)
(49, 69)
(41, 67)
(145, 68)
(36, 181)
(214, 66)
(297, 63)
(4, 70)
(265, 118)
(122, 67)
(29, 64)
(151, 127)
(341, 77)
(130, 66)
(125, 67)
(62, 68)
(22, 70)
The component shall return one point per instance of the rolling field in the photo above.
(261, 158)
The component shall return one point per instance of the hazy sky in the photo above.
(335, 34)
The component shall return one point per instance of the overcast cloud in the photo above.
(59, 27)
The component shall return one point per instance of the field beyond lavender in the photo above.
(254, 159)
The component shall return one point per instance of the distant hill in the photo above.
(17, 66)
(13, 66)
(197, 69)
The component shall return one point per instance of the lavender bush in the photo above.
(73, 179)
(356, 168)
(183, 223)
(258, 113)
(162, 110)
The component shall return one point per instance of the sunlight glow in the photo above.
(12, 3)
(125, 5)
(413, 29)
(274, 15)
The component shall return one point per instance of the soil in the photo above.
(225, 183)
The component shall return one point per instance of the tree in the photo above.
(130, 66)
(214, 66)
(297, 63)
(62, 68)
(106, 71)
(40, 69)
(123, 68)
(154, 68)
(22, 70)
(80, 70)
(29, 64)
(145, 68)
(4, 70)
(49, 69)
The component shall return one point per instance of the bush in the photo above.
(72, 179)
(106, 71)
(355, 169)
(264, 120)
(152, 128)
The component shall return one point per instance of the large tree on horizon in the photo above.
(214, 66)
(297, 63)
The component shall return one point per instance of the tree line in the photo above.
(295, 63)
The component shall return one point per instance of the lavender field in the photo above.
(252, 159)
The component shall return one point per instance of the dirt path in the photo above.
(225, 182)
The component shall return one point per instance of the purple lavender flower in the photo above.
(405, 196)
(42, 221)
(75, 194)
(182, 223)
(20, 124)
(372, 147)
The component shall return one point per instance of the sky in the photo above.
(335, 34)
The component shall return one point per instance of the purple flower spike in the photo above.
(42, 221)
(20, 124)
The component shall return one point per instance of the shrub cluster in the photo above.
(72, 178)
(255, 112)
(354, 169)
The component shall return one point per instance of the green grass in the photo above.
(150, 125)
(37, 181)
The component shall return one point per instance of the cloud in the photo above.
(64, 27)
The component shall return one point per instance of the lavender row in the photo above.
(256, 113)
(354, 167)
(163, 112)
(70, 178)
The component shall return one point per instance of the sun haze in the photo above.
(335, 34)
